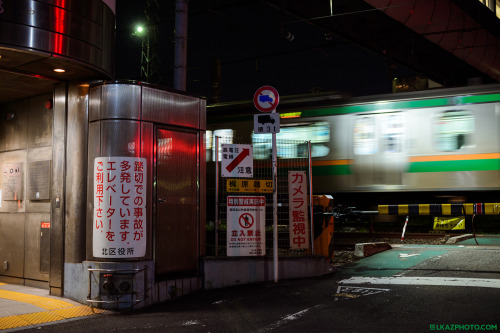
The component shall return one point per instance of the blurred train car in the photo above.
(420, 147)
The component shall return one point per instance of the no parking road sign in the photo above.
(246, 226)
(266, 99)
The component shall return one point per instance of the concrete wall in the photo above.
(25, 138)
(230, 271)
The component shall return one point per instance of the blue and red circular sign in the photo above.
(266, 99)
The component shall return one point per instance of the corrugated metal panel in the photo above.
(95, 103)
(120, 138)
(177, 236)
(166, 107)
(121, 101)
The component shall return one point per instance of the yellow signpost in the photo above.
(249, 185)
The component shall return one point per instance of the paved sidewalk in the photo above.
(22, 306)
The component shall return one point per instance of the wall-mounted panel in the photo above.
(166, 107)
(13, 158)
(34, 252)
(40, 121)
(12, 244)
(121, 101)
(39, 180)
(16, 125)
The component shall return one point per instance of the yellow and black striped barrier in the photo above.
(441, 209)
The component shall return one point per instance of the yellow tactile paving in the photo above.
(56, 310)
(45, 303)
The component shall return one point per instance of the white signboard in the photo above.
(237, 161)
(266, 123)
(297, 208)
(246, 226)
(119, 226)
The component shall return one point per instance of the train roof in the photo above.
(340, 99)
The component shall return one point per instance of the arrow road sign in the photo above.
(244, 153)
(237, 161)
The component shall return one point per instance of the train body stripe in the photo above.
(455, 166)
(418, 164)
(463, 157)
(332, 162)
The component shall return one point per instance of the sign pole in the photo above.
(266, 99)
(275, 206)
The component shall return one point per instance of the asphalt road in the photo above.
(407, 289)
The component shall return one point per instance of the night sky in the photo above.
(247, 38)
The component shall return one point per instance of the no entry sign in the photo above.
(246, 225)
(266, 99)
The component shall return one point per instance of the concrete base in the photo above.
(367, 249)
(460, 238)
(230, 271)
(84, 283)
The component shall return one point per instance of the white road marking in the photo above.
(284, 320)
(425, 281)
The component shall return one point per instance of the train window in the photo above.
(318, 133)
(454, 130)
(365, 142)
(392, 131)
(225, 136)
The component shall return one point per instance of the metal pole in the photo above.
(216, 160)
(180, 54)
(311, 196)
(275, 206)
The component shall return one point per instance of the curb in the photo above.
(460, 238)
(367, 249)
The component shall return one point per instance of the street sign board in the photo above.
(119, 224)
(249, 185)
(297, 207)
(266, 123)
(246, 225)
(266, 99)
(237, 161)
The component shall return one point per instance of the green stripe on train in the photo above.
(329, 170)
(416, 167)
(449, 166)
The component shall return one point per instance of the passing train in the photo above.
(421, 147)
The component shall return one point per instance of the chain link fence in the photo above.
(291, 156)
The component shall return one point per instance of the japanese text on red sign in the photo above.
(119, 228)
(297, 194)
